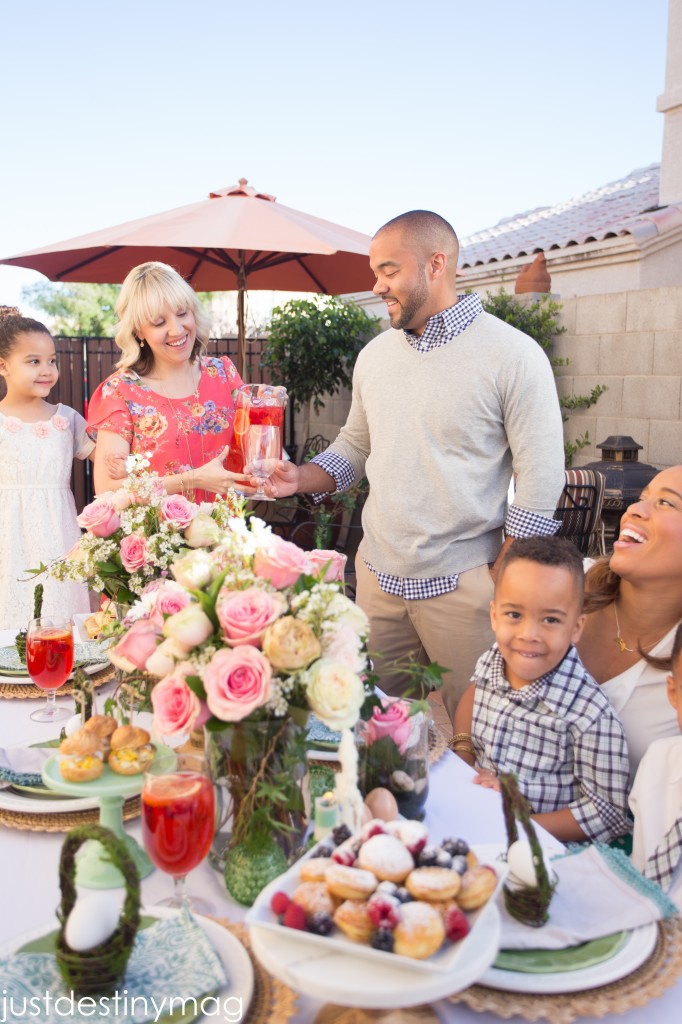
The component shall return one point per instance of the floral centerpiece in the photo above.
(132, 535)
(393, 746)
(247, 640)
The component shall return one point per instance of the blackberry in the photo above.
(340, 834)
(403, 894)
(428, 858)
(459, 864)
(321, 851)
(320, 923)
(455, 847)
(382, 939)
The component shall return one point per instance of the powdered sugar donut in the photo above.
(420, 931)
(350, 883)
(387, 858)
(433, 884)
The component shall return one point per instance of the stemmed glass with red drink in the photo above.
(178, 821)
(49, 660)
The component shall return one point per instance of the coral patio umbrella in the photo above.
(236, 239)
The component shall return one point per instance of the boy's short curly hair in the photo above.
(552, 551)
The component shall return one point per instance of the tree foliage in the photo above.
(312, 346)
(76, 310)
(540, 320)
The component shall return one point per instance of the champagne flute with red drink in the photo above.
(49, 660)
(178, 821)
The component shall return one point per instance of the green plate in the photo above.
(555, 961)
(83, 654)
(48, 944)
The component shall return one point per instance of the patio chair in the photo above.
(312, 446)
(579, 510)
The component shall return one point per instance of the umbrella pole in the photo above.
(241, 316)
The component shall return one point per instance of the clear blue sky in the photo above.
(352, 111)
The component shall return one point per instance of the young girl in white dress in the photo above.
(38, 442)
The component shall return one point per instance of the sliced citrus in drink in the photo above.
(161, 789)
(241, 422)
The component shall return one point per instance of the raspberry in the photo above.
(372, 828)
(340, 834)
(382, 939)
(279, 903)
(320, 923)
(294, 917)
(456, 924)
(382, 910)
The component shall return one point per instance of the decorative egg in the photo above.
(520, 862)
(382, 804)
(93, 919)
(73, 725)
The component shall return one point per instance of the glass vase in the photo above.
(399, 763)
(258, 768)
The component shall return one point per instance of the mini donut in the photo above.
(478, 885)
(412, 833)
(350, 883)
(314, 898)
(435, 885)
(353, 919)
(314, 869)
(387, 858)
(420, 931)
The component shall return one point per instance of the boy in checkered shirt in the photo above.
(535, 710)
(656, 798)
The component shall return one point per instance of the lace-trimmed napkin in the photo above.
(172, 959)
(23, 765)
(599, 892)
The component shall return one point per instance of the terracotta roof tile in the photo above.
(615, 209)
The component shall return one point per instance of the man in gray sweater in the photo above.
(446, 405)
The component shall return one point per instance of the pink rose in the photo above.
(13, 424)
(237, 682)
(244, 615)
(176, 707)
(60, 423)
(281, 562)
(169, 598)
(177, 510)
(135, 646)
(133, 552)
(390, 720)
(41, 429)
(100, 518)
(333, 560)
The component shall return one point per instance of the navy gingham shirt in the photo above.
(561, 737)
(519, 522)
(665, 864)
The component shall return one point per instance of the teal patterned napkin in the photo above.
(171, 960)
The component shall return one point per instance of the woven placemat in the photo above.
(273, 1002)
(62, 821)
(437, 743)
(651, 979)
(24, 690)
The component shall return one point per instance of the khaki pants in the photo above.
(453, 630)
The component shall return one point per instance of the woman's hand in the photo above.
(488, 780)
(115, 466)
(215, 478)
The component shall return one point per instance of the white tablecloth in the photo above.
(30, 890)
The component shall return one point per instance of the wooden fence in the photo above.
(86, 362)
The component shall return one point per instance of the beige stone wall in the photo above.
(629, 341)
(632, 343)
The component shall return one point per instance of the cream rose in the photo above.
(202, 532)
(190, 627)
(193, 570)
(335, 693)
(162, 661)
(290, 644)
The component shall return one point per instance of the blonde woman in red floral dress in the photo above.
(166, 400)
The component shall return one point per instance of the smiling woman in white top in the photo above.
(635, 600)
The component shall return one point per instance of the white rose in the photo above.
(202, 532)
(162, 662)
(335, 693)
(347, 613)
(189, 627)
(193, 570)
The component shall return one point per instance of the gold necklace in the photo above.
(618, 639)
(194, 396)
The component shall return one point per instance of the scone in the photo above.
(434, 885)
(386, 857)
(350, 883)
(478, 885)
(420, 931)
(352, 917)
